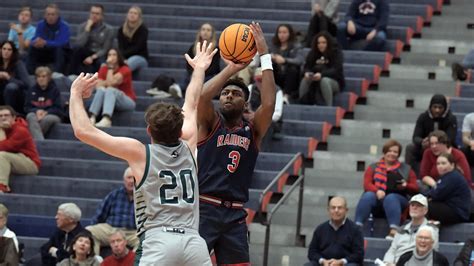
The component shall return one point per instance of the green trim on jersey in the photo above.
(139, 251)
(147, 166)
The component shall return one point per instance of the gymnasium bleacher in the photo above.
(331, 146)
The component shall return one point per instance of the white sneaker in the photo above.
(92, 119)
(104, 122)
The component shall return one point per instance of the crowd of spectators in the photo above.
(310, 72)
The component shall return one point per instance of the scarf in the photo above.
(129, 29)
(380, 175)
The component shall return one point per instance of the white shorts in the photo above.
(168, 246)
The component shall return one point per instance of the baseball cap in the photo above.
(420, 199)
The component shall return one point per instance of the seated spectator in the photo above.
(94, 39)
(82, 251)
(43, 104)
(450, 196)
(387, 186)
(365, 20)
(50, 41)
(439, 144)
(338, 241)
(22, 33)
(404, 239)
(287, 60)
(460, 70)
(8, 253)
(255, 101)
(57, 248)
(116, 212)
(323, 71)
(467, 138)
(464, 256)
(4, 231)
(18, 154)
(423, 254)
(437, 117)
(324, 18)
(14, 79)
(121, 255)
(114, 90)
(132, 40)
(206, 32)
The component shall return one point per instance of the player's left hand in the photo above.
(260, 42)
(84, 85)
(203, 57)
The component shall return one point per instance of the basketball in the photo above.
(237, 44)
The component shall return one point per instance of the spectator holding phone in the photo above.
(387, 185)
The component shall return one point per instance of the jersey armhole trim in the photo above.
(147, 167)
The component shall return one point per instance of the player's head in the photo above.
(164, 121)
(233, 98)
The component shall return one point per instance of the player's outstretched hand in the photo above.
(203, 57)
(257, 32)
(84, 85)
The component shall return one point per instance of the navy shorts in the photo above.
(225, 231)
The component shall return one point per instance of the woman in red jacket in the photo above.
(387, 185)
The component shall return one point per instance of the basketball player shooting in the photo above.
(227, 152)
(166, 197)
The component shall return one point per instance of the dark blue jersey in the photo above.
(226, 160)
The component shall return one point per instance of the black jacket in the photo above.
(58, 240)
(425, 125)
(138, 45)
(329, 64)
(438, 259)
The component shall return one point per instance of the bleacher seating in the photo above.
(72, 171)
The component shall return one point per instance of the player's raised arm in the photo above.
(128, 149)
(206, 115)
(263, 114)
(200, 63)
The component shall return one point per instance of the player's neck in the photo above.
(233, 122)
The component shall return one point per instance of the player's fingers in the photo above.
(188, 58)
(214, 52)
(209, 48)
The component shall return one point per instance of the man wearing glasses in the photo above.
(18, 154)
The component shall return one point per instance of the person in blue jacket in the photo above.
(50, 40)
(450, 197)
(365, 20)
(43, 104)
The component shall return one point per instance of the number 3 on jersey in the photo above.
(235, 156)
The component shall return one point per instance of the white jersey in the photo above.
(167, 196)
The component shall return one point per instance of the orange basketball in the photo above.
(237, 43)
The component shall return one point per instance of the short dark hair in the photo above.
(441, 136)
(99, 6)
(448, 156)
(165, 121)
(9, 108)
(238, 82)
(87, 235)
(26, 8)
(390, 143)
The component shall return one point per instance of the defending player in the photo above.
(166, 197)
(227, 152)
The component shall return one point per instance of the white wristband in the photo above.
(266, 62)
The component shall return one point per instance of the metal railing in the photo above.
(298, 183)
